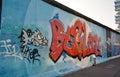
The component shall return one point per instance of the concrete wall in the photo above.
(38, 39)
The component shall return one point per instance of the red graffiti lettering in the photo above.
(73, 42)
(93, 46)
(57, 40)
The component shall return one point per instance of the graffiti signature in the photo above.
(30, 39)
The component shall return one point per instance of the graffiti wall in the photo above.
(41, 40)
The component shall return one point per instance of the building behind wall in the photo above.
(117, 16)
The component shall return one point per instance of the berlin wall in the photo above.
(43, 38)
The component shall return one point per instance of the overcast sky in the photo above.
(99, 10)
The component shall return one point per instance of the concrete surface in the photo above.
(110, 68)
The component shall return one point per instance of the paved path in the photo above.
(107, 69)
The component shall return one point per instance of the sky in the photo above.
(102, 11)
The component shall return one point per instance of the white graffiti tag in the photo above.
(34, 38)
(10, 49)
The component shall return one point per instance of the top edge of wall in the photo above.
(65, 8)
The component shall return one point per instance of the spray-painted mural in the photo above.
(34, 43)
(108, 41)
(115, 47)
(30, 39)
(73, 42)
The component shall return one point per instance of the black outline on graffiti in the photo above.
(29, 39)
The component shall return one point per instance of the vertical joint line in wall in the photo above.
(0, 12)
